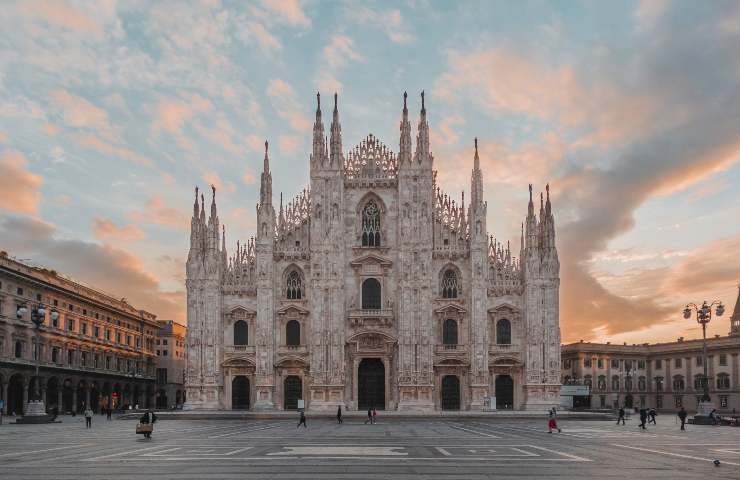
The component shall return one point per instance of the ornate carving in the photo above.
(372, 160)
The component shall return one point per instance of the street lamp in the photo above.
(703, 317)
(35, 411)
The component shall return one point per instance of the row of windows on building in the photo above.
(640, 364)
(293, 333)
(678, 401)
(450, 287)
(20, 291)
(79, 358)
(679, 383)
(95, 331)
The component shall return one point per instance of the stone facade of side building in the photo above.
(99, 351)
(665, 376)
(171, 347)
(372, 288)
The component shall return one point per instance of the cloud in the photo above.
(104, 229)
(326, 81)
(389, 21)
(20, 189)
(340, 51)
(212, 178)
(103, 267)
(77, 112)
(158, 213)
(284, 101)
(710, 268)
(171, 114)
(267, 42)
(3, 137)
(62, 14)
(249, 177)
(648, 11)
(288, 11)
(288, 144)
(93, 142)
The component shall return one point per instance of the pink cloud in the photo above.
(172, 114)
(158, 213)
(93, 142)
(288, 108)
(340, 51)
(249, 177)
(19, 188)
(289, 11)
(3, 136)
(62, 14)
(266, 41)
(105, 229)
(80, 113)
(288, 144)
(212, 178)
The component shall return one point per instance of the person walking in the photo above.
(552, 423)
(682, 415)
(369, 416)
(109, 413)
(148, 419)
(643, 418)
(652, 415)
(621, 416)
(88, 417)
(339, 414)
(375, 416)
(302, 420)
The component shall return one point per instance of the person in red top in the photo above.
(552, 424)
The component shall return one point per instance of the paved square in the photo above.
(436, 447)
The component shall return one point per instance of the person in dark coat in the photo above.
(108, 413)
(148, 418)
(302, 420)
(643, 418)
(652, 414)
(621, 416)
(339, 414)
(369, 416)
(682, 415)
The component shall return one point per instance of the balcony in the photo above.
(450, 349)
(238, 349)
(371, 318)
(292, 350)
(503, 348)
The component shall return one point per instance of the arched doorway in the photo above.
(239, 393)
(292, 392)
(371, 384)
(450, 392)
(628, 401)
(161, 401)
(504, 392)
(67, 394)
(81, 396)
(15, 395)
(178, 398)
(94, 397)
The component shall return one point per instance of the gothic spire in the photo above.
(319, 145)
(422, 137)
(266, 181)
(404, 149)
(336, 137)
(214, 215)
(195, 205)
(476, 180)
(735, 318)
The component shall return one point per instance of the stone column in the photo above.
(355, 391)
(735, 372)
(5, 397)
(87, 396)
(43, 394)
(386, 369)
(25, 397)
(74, 399)
(60, 389)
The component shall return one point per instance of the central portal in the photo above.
(371, 384)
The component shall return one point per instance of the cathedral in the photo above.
(372, 288)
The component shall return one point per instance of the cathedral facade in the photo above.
(372, 288)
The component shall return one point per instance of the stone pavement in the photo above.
(399, 448)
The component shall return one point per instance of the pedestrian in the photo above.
(88, 417)
(713, 416)
(339, 414)
(109, 413)
(552, 423)
(652, 415)
(302, 420)
(148, 419)
(621, 416)
(369, 416)
(682, 415)
(375, 416)
(643, 418)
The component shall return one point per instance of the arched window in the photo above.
(371, 225)
(679, 384)
(587, 381)
(698, 382)
(241, 333)
(601, 385)
(723, 381)
(18, 349)
(641, 384)
(658, 384)
(503, 332)
(615, 382)
(449, 332)
(371, 294)
(294, 287)
(293, 333)
(450, 284)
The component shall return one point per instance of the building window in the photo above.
(566, 364)
(164, 341)
(723, 401)
(658, 364)
(96, 361)
(293, 333)
(679, 384)
(107, 363)
(615, 382)
(19, 291)
(70, 357)
(601, 385)
(55, 355)
(96, 331)
(628, 365)
(587, 362)
(18, 349)
(722, 360)
(158, 353)
(678, 401)
(628, 383)
(83, 328)
(587, 381)
(294, 286)
(241, 333)
(450, 284)
(723, 381)
(641, 384)
(70, 325)
(449, 332)
(699, 361)
(698, 382)
(71, 308)
(164, 353)
(128, 340)
(38, 297)
(600, 363)
(371, 294)
(677, 363)
(161, 376)
(83, 359)
(503, 332)
(371, 225)
(615, 363)
(641, 364)
(659, 384)
(118, 337)
(157, 341)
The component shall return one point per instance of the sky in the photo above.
(111, 112)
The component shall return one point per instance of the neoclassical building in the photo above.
(372, 288)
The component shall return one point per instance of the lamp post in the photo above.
(35, 410)
(703, 317)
